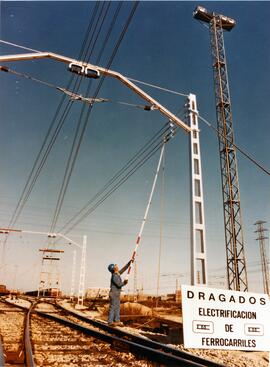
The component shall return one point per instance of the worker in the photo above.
(114, 295)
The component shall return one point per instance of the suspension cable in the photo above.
(72, 95)
(149, 144)
(159, 87)
(79, 135)
(139, 164)
(19, 46)
(114, 188)
(247, 155)
(165, 134)
(38, 166)
(36, 169)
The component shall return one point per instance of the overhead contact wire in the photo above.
(49, 145)
(114, 188)
(89, 112)
(158, 87)
(70, 164)
(72, 156)
(12, 222)
(248, 156)
(144, 149)
(118, 174)
(118, 184)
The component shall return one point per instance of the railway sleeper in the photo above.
(14, 357)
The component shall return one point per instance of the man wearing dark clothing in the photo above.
(114, 295)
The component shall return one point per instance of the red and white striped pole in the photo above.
(146, 211)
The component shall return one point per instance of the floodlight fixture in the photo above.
(204, 15)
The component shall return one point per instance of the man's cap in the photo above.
(111, 268)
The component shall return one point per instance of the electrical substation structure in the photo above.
(264, 258)
(50, 275)
(49, 281)
(234, 240)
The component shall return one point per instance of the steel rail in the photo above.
(26, 348)
(151, 354)
(152, 350)
(29, 357)
(2, 356)
(149, 343)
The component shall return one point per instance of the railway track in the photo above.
(57, 343)
(12, 325)
(50, 342)
(153, 351)
(58, 337)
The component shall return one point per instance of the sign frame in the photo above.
(224, 319)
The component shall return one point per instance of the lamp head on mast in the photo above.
(204, 15)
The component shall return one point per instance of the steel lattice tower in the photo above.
(236, 263)
(264, 258)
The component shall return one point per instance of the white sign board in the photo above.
(222, 319)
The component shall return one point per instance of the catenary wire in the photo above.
(79, 135)
(81, 127)
(114, 188)
(89, 30)
(158, 87)
(73, 96)
(89, 51)
(149, 144)
(37, 167)
(131, 79)
(248, 156)
(143, 150)
(19, 46)
(24, 196)
(75, 146)
(65, 178)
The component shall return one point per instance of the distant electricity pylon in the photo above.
(264, 258)
(236, 263)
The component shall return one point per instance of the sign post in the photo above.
(224, 319)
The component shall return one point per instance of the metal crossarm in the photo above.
(103, 71)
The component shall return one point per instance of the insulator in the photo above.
(149, 108)
(91, 73)
(75, 68)
(4, 68)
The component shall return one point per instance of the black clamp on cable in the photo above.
(4, 68)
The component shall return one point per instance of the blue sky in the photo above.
(164, 45)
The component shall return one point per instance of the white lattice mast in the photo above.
(82, 273)
(73, 274)
(197, 221)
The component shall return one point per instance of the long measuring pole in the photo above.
(146, 212)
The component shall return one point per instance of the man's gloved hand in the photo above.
(130, 262)
(125, 281)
